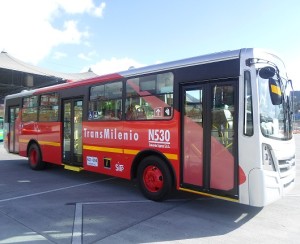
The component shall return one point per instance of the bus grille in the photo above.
(286, 165)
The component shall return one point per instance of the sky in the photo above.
(107, 36)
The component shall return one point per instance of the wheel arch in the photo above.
(149, 152)
(31, 142)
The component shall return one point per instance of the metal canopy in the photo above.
(16, 75)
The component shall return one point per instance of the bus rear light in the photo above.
(268, 161)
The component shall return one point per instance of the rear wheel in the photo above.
(35, 158)
(154, 178)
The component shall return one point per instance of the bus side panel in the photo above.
(106, 163)
(161, 136)
(27, 133)
(49, 139)
(103, 148)
(110, 147)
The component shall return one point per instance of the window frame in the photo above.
(246, 125)
(132, 97)
(30, 107)
(113, 114)
(57, 105)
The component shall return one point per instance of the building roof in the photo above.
(12, 63)
(16, 75)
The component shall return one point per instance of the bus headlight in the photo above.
(268, 162)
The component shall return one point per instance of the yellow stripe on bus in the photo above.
(131, 152)
(276, 90)
(125, 151)
(171, 156)
(23, 141)
(209, 195)
(49, 143)
(103, 149)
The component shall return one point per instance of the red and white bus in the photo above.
(219, 125)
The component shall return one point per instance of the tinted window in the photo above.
(29, 110)
(48, 107)
(248, 110)
(106, 102)
(150, 97)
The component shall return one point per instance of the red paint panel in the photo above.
(221, 160)
(49, 137)
(242, 176)
(27, 133)
(222, 166)
(121, 141)
(193, 153)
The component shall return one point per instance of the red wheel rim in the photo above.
(153, 178)
(33, 157)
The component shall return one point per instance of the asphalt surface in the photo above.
(60, 206)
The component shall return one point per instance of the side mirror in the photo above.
(275, 91)
(267, 72)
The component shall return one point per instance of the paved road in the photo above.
(59, 206)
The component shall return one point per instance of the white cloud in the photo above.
(27, 30)
(98, 11)
(114, 65)
(87, 56)
(71, 34)
(59, 55)
(81, 6)
(84, 57)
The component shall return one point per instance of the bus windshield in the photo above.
(275, 117)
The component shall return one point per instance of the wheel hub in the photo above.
(153, 178)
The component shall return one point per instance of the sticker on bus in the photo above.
(159, 138)
(167, 111)
(92, 161)
(119, 167)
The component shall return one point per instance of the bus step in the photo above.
(73, 168)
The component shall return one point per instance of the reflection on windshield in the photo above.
(275, 120)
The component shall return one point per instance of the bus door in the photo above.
(209, 121)
(72, 132)
(13, 138)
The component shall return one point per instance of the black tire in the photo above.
(154, 178)
(35, 158)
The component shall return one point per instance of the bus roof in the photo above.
(207, 58)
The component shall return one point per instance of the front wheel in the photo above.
(35, 158)
(154, 178)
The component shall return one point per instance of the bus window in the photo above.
(222, 114)
(248, 110)
(150, 97)
(106, 102)
(30, 108)
(48, 107)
